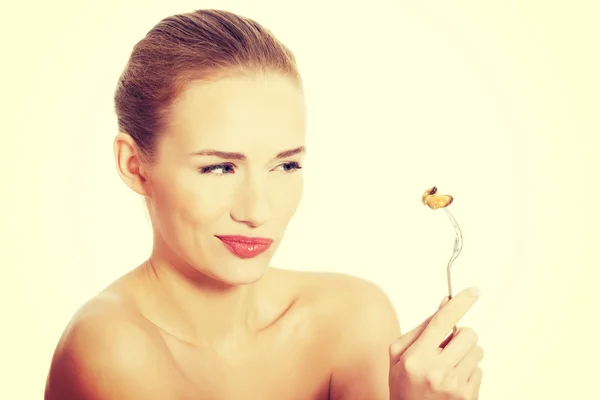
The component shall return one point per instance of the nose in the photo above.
(251, 206)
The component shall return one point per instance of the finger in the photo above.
(406, 340)
(460, 345)
(474, 383)
(444, 302)
(444, 320)
(445, 342)
(468, 365)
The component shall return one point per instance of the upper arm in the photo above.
(361, 369)
(107, 359)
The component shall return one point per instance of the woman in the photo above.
(212, 120)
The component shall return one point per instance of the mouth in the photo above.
(244, 246)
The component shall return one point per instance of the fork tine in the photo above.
(458, 242)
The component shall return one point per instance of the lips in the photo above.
(246, 247)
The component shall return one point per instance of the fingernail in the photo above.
(474, 292)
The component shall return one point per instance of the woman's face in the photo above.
(228, 165)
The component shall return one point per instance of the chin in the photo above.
(238, 272)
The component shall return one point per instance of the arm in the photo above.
(361, 370)
(102, 358)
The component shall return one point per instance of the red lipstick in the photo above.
(246, 247)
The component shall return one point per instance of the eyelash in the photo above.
(293, 165)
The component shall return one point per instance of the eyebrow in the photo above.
(239, 156)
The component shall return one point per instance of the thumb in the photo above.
(397, 348)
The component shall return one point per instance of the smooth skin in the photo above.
(425, 365)
(197, 322)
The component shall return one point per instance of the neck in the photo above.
(198, 309)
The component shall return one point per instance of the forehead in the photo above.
(239, 113)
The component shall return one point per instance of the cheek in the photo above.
(285, 195)
(190, 201)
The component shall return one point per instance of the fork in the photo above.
(458, 244)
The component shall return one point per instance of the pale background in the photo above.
(496, 102)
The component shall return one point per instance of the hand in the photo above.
(425, 366)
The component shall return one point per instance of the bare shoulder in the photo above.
(354, 302)
(363, 323)
(109, 352)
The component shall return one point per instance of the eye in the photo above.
(220, 169)
(288, 167)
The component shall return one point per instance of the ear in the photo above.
(130, 163)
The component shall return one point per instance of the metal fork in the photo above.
(458, 244)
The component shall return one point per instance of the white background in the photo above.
(494, 102)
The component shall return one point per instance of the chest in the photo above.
(298, 368)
